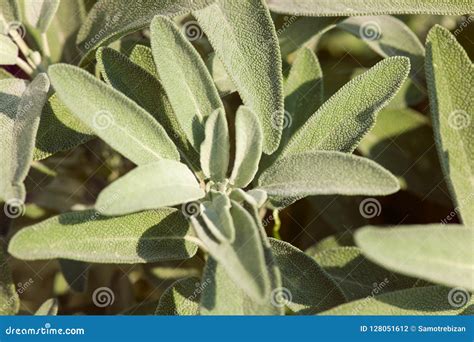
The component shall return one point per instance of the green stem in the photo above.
(276, 225)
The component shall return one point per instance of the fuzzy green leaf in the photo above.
(221, 78)
(216, 215)
(357, 276)
(320, 8)
(142, 56)
(151, 186)
(402, 142)
(48, 308)
(388, 36)
(8, 51)
(40, 13)
(243, 259)
(244, 39)
(75, 273)
(324, 173)
(185, 78)
(422, 301)
(146, 90)
(450, 77)
(342, 121)
(307, 288)
(111, 19)
(248, 147)
(181, 298)
(215, 147)
(119, 121)
(19, 122)
(144, 237)
(8, 295)
(437, 253)
(10, 12)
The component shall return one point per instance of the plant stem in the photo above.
(25, 50)
(276, 225)
(24, 66)
(45, 45)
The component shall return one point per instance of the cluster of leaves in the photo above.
(206, 171)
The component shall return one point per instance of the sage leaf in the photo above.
(307, 288)
(10, 13)
(116, 119)
(142, 56)
(323, 173)
(402, 142)
(59, 130)
(248, 147)
(181, 298)
(450, 78)
(216, 215)
(252, 60)
(151, 186)
(437, 253)
(221, 295)
(243, 259)
(40, 13)
(185, 78)
(8, 295)
(357, 276)
(342, 121)
(110, 20)
(223, 82)
(419, 301)
(215, 147)
(149, 236)
(48, 308)
(75, 273)
(321, 8)
(124, 75)
(388, 36)
(19, 122)
(8, 51)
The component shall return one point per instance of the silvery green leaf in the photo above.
(75, 273)
(149, 236)
(303, 92)
(248, 147)
(221, 295)
(357, 276)
(116, 119)
(40, 13)
(331, 242)
(321, 8)
(243, 260)
(439, 253)
(185, 78)
(160, 184)
(142, 56)
(8, 294)
(323, 173)
(418, 301)
(181, 298)
(125, 76)
(8, 51)
(217, 217)
(112, 19)
(244, 39)
(215, 148)
(402, 142)
(342, 121)
(221, 78)
(59, 130)
(19, 120)
(10, 13)
(48, 308)
(307, 288)
(388, 36)
(254, 197)
(450, 78)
